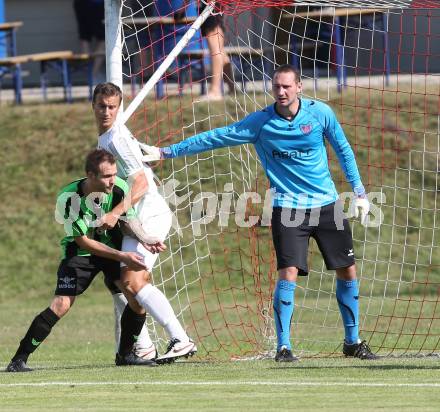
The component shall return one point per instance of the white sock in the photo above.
(157, 305)
(144, 341)
(119, 302)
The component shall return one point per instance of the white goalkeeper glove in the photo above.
(361, 206)
(152, 153)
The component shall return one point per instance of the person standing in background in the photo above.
(213, 30)
(91, 28)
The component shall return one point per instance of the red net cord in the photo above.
(238, 6)
(384, 87)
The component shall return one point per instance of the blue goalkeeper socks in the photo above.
(347, 295)
(283, 305)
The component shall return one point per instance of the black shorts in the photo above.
(90, 19)
(327, 225)
(75, 274)
(110, 285)
(211, 23)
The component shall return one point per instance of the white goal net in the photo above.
(376, 63)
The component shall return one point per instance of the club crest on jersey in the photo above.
(306, 128)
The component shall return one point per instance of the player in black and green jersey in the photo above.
(87, 250)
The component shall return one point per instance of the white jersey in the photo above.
(152, 209)
(125, 148)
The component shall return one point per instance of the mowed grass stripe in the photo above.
(219, 383)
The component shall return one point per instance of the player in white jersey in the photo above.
(154, 215)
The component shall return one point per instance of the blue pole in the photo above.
(386, 48)
(2, 36)
(339, 55)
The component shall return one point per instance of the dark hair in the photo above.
(107, 89)
(95, 158)
(288, 68)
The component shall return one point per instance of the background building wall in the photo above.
(50, 25)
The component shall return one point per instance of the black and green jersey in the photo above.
(80, 214)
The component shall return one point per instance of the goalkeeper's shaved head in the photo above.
(288, 68)
(107, 89)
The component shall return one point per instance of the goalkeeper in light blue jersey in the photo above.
(289, 137)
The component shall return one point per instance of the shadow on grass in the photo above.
(372, 365)
(109, 366)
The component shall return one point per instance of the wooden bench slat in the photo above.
(35, 57)
(12, 61)
(148, 21)
(80, 56)
(228, 49)
(10, 25)
(53, 55)
(85, 56)
(338, 12)
(23, 73)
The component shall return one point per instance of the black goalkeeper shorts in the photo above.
(211, 23)
(75, 274)
(90, 19)
(329, 227)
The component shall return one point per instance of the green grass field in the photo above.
(74, 371)
(221, 295)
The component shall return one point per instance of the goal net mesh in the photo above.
(377, 67)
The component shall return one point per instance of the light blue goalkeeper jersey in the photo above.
(292, 152)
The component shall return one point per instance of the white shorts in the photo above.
(156, 218)
(130, 244)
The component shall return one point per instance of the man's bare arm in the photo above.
(138, 187)
(131, 259)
